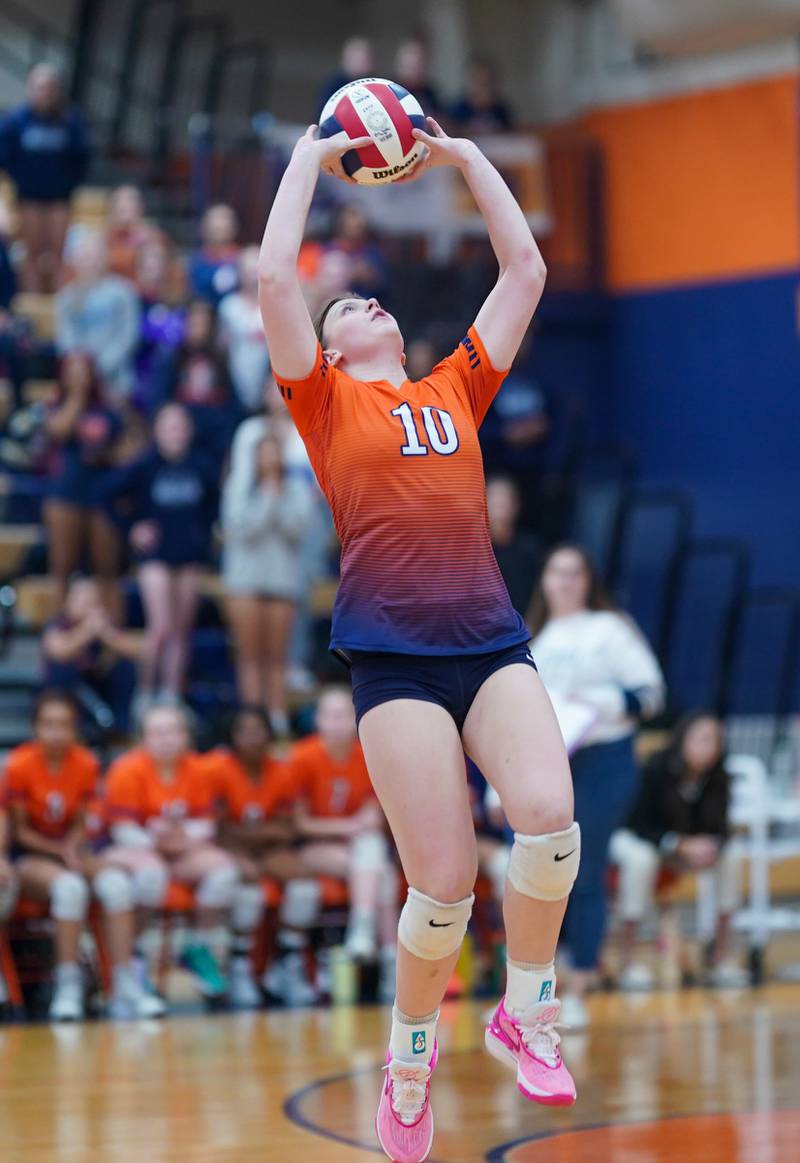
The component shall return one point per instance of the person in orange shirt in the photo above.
(340, 821)
(50, 782)
(9, 886)
(250, 791)
(159, 799)
(438, 654)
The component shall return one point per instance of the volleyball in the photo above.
(388, 113)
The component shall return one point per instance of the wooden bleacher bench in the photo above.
(39, 391)
(15, 541)
(40, 310)
(89, 206)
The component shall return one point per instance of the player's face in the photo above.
(336, 720)
(702, 746)
(55, 727)
(565, 582)
(165, 734)
(173, 432)
(250, 737)
(360, 329)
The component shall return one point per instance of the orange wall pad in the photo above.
(702, 186)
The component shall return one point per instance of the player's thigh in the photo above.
(186, 597)
(512, 734)
(155, 586)
(130, 860)
(194, 865)
(277, 618)
(328, 858)
(36, 875)
(416, 764)
(244, 619)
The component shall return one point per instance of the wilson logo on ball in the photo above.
(387, 113)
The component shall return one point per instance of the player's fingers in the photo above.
(436, 127)
(424, 137)
(311, 131)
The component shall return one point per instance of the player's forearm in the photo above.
(283, 235)
(509, 233)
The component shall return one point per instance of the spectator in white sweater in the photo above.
(242, 335)
(589, 652)
(265, 514)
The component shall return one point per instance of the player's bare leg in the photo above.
(512, 734)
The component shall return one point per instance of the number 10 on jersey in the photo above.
(439, 429)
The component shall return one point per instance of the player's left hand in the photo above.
(440, 150)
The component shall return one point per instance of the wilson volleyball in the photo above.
(388, 113)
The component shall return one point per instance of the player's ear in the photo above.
(403, 358)
(331, 356)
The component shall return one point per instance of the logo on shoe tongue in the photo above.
(546, 992)
(419, 1042)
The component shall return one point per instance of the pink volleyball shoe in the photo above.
(530, 1045)
(404, 1122)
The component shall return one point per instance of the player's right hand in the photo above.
(329, 150)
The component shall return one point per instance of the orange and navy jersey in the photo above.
(242, 799)
(52, 798)
(403, 474)
(326, 786)
(136, 791)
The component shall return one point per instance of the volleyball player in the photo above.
(438, 654)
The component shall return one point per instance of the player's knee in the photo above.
(69, 897)
(451, 876)
(150, 884)
(432, 929)
(248, 906)
(369, 852)
(544, 867)
(300, 904)
(114, 890)
(535, 814)
(216, 889)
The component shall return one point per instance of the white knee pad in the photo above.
(368, 852)
(150, 884)
(248, 906)
(431, 929)
(8, 898)
(216, 889)
(300, 904)
(545, 867)
(69, 897)
(114, 889)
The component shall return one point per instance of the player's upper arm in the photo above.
(477, 377)
(506, 314)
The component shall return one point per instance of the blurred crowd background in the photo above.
(168, 563)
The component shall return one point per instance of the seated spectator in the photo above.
(679, 821)
(99, 313)
(367, 275)
(420, 358)
(332, 277)
(162, 319)
(127, 231)
(171, 495)
(159, 800)
(195, 374)
(84, 430)
(9, 886)
(8, 276)
(266, 512)
(83, 647)
(338, 817)
(242, 335)
(411, 71)
(356, 61)
(45, 151)
(50, 782)
(518, 554)
(213, 270)
(250, 793)
(481, 111)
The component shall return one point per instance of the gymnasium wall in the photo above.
(702, 250)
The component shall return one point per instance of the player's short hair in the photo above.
(322, 314)
(58, 697)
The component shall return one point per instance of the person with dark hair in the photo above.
(50, 782)
(680, 821)
(356, 61)
(85, 431)
(411, 70)
(213, 267)
(481, 110)
(171, 497)
(44, 149)
(250, 791)
(517, 552)
(83, 646)
(590, 653)
(367, 263)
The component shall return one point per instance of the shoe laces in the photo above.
(409, 1090)
(542, 1040)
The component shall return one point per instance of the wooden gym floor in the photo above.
(692, 1077)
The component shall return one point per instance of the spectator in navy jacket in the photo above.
(44, 149)
(214, 266)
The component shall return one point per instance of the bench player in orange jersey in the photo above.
(50, 782)
(9, 886)
(438, 653)
(159, 800)
(250, 792)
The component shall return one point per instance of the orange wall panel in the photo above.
(701, 187)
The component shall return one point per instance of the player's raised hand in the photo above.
(440, 149)
(329, 150)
